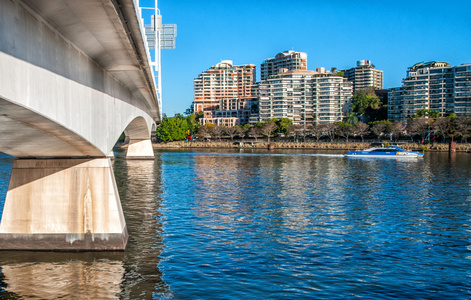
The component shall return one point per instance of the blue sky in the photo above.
(393, 34)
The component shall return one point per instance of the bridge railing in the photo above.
(157, 36)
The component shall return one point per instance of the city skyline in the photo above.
(333, 34)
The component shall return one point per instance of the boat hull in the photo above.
(384, 156)
(384, 152)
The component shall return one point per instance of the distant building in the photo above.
(364, 75)
(305, 97)
(435, 86)
(395, 104)
(290, 60)
(226, 94)
(382, 96)
(419, 92)
(462, 90)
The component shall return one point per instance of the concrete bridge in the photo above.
(73, 76)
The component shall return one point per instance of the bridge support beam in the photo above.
(140, 149)
(63, 205)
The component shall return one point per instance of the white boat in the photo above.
(385, 152)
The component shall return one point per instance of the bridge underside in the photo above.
(74, 75)
(24, 133)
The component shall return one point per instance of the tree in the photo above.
(441, 127)
(434, 114)
(232, 131)
(290, 129)
(173, 129)
(193, 124)
(361, 129)
(317, 130)
(254, 132)
(246, 127)
(267, 129)
(464, 125)
(424, 112)
(454, 130)
(351, 118)
(308, 129)
(241, 131)
(191, 109)
(362, 101)
(329, 130)
(366, 103)
(417, 126)
(217, 131)
(378, 129)
(343, 129)
(259, 125)
(205, 131)
(298, 130)
(283, 125)
(452, 126)
(396, 129)
(199, 115)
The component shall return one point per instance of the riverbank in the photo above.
(301, 145)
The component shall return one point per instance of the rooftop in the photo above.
(429, 64)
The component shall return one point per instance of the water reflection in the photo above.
(139, 183)
(265, 225)
(302, 225)
(133, 274)
(30, 275)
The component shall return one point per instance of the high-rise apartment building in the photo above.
(226, 94)
(435, 86)
(364, 75)
(290, 60)
(462, 90)
(420, 92)
(395, 103)
(305, 97)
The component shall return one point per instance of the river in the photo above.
(253, 224)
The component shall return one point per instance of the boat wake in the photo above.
(271, 154)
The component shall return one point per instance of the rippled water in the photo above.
(270, 225)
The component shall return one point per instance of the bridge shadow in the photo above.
(47, 168)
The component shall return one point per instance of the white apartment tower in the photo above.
(435, 86)
(225, 93)
(290, 60)
(305, 97)
(419, 92)
(364, 75)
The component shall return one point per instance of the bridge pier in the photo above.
(63, 205)
(140, 149)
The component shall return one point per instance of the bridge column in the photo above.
(62, 204)
(140, 149)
